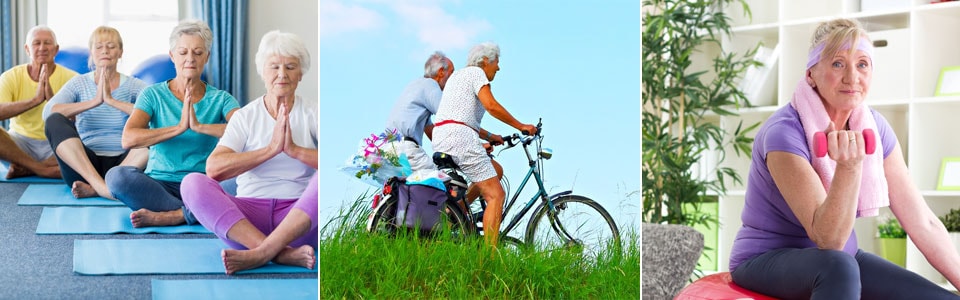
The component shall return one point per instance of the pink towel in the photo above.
(813, 116)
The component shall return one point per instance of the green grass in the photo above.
(358, 265)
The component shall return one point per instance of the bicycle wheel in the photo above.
(383, 218)
(455, 225)
(577, 223)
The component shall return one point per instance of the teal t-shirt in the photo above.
(186, 153)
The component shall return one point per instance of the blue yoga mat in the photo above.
(235, 289)
(59, 195)
(159, 256)
(100, 220)
(29, 179)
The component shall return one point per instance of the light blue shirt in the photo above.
(412, 111)
(101, 127)
(186, 153)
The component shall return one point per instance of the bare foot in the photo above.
(16, 171)
(146, 218)
(239, 260)
(82, 190)
(301, 256)
(49, 172)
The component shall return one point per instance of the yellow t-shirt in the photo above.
(16, 85)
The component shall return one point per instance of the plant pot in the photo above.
(894, 250)
(709, 260)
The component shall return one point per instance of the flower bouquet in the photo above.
(378, 159)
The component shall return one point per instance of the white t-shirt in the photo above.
(460, 101)
(282, 177)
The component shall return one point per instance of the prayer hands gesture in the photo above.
(44, 90)
(282, 140)
(188, 116)
(104, 93)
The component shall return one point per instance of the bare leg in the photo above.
(21, 164)
(473, 191)
(263, 249)
(72, 153)
(146, 218)
(493, 194)
(137, 157)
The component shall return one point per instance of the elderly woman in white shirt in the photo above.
(270, 145)
(466, 98)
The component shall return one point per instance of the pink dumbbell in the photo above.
(820, 142)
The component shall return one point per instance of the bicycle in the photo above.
(570, 217)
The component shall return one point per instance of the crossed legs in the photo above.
(21, 163)
(247, 224)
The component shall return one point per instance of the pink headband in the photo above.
(862, 45)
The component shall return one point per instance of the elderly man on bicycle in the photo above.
(418, 101)
(466, 98)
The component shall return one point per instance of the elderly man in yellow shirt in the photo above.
(24, 90)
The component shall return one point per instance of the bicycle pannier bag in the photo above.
(419, 204)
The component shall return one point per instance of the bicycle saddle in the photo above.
(444, 161)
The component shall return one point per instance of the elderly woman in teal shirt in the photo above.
(180, 120)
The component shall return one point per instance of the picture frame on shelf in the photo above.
(949, 82)
(949, 174)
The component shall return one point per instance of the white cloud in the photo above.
(338, 18)
(437, 28)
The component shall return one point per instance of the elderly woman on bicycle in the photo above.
(466, 98)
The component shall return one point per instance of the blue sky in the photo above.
(575, 64)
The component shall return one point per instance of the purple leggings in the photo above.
(218, 211)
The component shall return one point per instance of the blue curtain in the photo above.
(7, 40)
(227, 19)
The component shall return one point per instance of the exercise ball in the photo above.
(75, 58)
(155, 69)
(158, 68)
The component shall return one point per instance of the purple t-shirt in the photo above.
(768, 222)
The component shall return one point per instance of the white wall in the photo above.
(294, 16)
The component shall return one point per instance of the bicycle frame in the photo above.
(541, 193)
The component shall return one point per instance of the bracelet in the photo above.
(489, 134)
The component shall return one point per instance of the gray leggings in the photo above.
(137, 190)
(830, 274)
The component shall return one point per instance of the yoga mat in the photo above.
(159, 256)
(235, 289)
(28, 179)
(100, 220)
(59, 195)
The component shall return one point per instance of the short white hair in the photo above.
(33, 32)
(192, 27)
(490, 50)
(433, 65)
(285, 44)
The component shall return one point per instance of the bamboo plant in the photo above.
(677, 103)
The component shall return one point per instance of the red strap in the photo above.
(445, 122)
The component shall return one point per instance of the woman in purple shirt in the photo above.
(797, 239)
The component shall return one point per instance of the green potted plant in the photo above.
(893, 241)
(680, 107)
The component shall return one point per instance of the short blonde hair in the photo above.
(836, 34)
(103, 33)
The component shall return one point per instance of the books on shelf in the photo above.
(759, 83)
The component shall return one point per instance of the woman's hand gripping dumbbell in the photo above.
(820, 142)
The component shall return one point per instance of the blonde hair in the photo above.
(103, 33)
(836, 34)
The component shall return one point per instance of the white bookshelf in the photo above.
(921, 41)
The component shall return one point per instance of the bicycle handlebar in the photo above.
(526, 139)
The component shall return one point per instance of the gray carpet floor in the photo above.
(41, 266)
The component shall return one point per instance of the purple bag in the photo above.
(419, 204)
